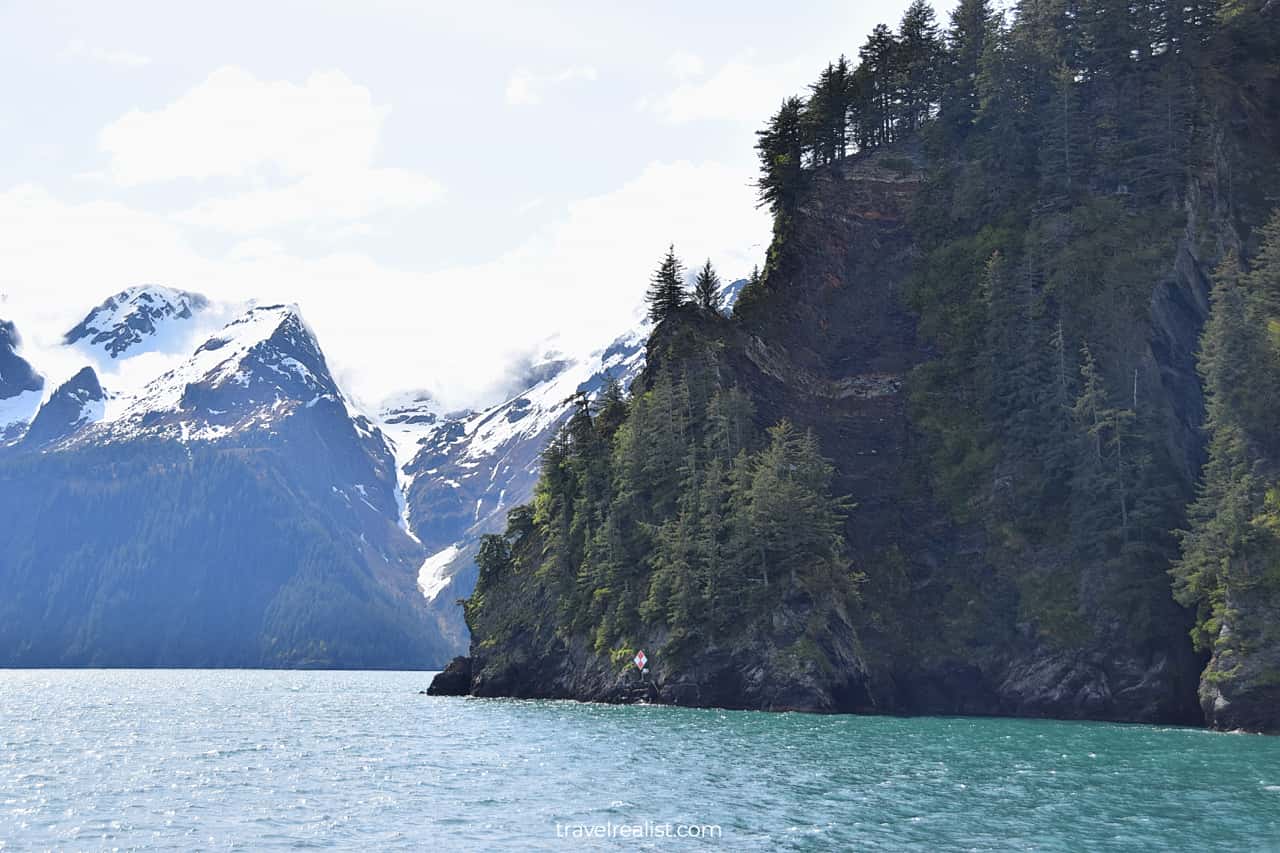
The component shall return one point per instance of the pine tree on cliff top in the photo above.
(780, 147)
(920, 56)
(706, 288)
(666, 288)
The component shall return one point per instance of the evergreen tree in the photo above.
(1105, 471)
(918, 64)
(706, 289)
(788, 523)
(972, 24)
(780, 147)
(494, 558)
(613, 408)
(666, 287)
(877, 77)
(1062, 153)
(826, 114)
(1233, 541)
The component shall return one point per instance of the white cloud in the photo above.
(79, 50)
(525, 88)
(234, 125)
(307, 150)
(740, 90)
(583, 276)
(684, 65)
(319, 199)
(456, 330)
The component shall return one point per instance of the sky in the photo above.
(444, 189)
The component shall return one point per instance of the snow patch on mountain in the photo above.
(432, 577)
(17, 411)
(408, 422)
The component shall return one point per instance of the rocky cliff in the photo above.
(941, 627)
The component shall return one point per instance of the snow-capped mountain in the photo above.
(186, 483)
(125, 342)
(255, 370)
(232, 510)
(138, 319)
(465, 472)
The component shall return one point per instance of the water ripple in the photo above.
(242, 760)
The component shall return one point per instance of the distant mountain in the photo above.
(76, 403)
(222, 502)
(463, 473)
(136, 319)
(233, 511)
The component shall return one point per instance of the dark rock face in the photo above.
(16, 375)
(71, 407)
(758, 673)
(454, 680)
(830, 345)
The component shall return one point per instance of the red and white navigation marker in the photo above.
(641, 660)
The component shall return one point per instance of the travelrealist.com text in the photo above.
(647, 829)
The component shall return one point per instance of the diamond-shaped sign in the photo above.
(640, 659)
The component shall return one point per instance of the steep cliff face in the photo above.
(998, 350)
(942, 626)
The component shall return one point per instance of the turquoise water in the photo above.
(251, 760)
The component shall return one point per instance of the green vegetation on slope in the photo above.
(1230, 568)
(1070, 146)
(1083, 161)
(671, 513)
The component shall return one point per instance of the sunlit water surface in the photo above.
(103, 759)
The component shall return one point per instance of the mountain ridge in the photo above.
(233, 511)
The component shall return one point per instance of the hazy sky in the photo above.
(440, 186)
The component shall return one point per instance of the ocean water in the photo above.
(250, 760)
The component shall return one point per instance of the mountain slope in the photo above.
(75, 404)
(234, 512)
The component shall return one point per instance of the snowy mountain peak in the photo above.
(260, 366)
(136, 320)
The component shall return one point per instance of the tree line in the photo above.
(1104, 88)
(667, 292)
